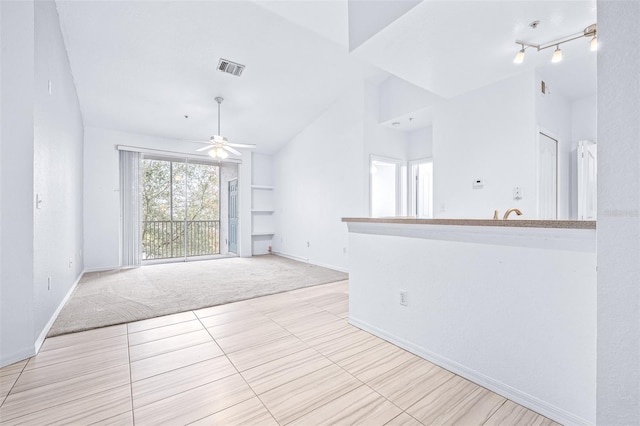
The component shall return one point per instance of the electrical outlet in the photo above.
(308, 244)
(403, 298)
(70, 262)
(48, 283)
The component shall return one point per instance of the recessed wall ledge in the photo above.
(515, 223)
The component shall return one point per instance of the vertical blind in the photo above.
(130, 201)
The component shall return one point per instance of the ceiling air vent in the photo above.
(227, 66)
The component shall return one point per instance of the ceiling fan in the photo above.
(219, 146)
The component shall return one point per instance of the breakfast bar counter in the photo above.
(516, 223)
(507, 304)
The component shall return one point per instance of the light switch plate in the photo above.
(517, 193)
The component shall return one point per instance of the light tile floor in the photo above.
(290, 358)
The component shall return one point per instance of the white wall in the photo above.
(380, 140)
(486, 134)
(584, 119)
(17, 334)
(244, 205)
(58, 159)
(420, 144)
(511, 309)
(398, 97)
(262, 173)
(320, 177)
(102, 197)
(553, 116)
(618, 214)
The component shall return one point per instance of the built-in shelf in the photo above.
(262, 218)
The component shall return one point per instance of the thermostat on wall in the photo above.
(478, 183)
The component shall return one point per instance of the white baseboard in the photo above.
(305, 260)
(291, 256)
(100, 269)
(546, 409)
(40, 340)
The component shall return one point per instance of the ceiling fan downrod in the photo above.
(219, 100)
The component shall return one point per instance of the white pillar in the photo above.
(244, 194)
(618, 376)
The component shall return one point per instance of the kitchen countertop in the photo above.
(510, 223)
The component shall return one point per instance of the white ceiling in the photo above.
(141, 66)
(451, 47)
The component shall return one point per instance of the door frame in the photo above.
(229, 215)
(413, 188)
(540, 131)
(582, 148)
(187, 160)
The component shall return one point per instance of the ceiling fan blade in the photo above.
(204, 148)
(231, 150)
(196, 141)
(241, 145)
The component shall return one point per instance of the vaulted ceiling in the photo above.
(142, 66)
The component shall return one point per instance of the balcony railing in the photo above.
(163, 239)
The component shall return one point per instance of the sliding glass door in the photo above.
(180, 209)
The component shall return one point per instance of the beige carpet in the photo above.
(116, 297)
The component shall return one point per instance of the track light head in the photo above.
(594, 43)
(519, 56)
(557, 55)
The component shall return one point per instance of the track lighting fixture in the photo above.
(590, 31)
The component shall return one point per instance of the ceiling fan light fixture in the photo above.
(218, 139)
(218, 153)
(218, 146)
(221, 153)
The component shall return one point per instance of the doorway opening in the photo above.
(386, 187)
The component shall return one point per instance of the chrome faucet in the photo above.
(508, 212)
